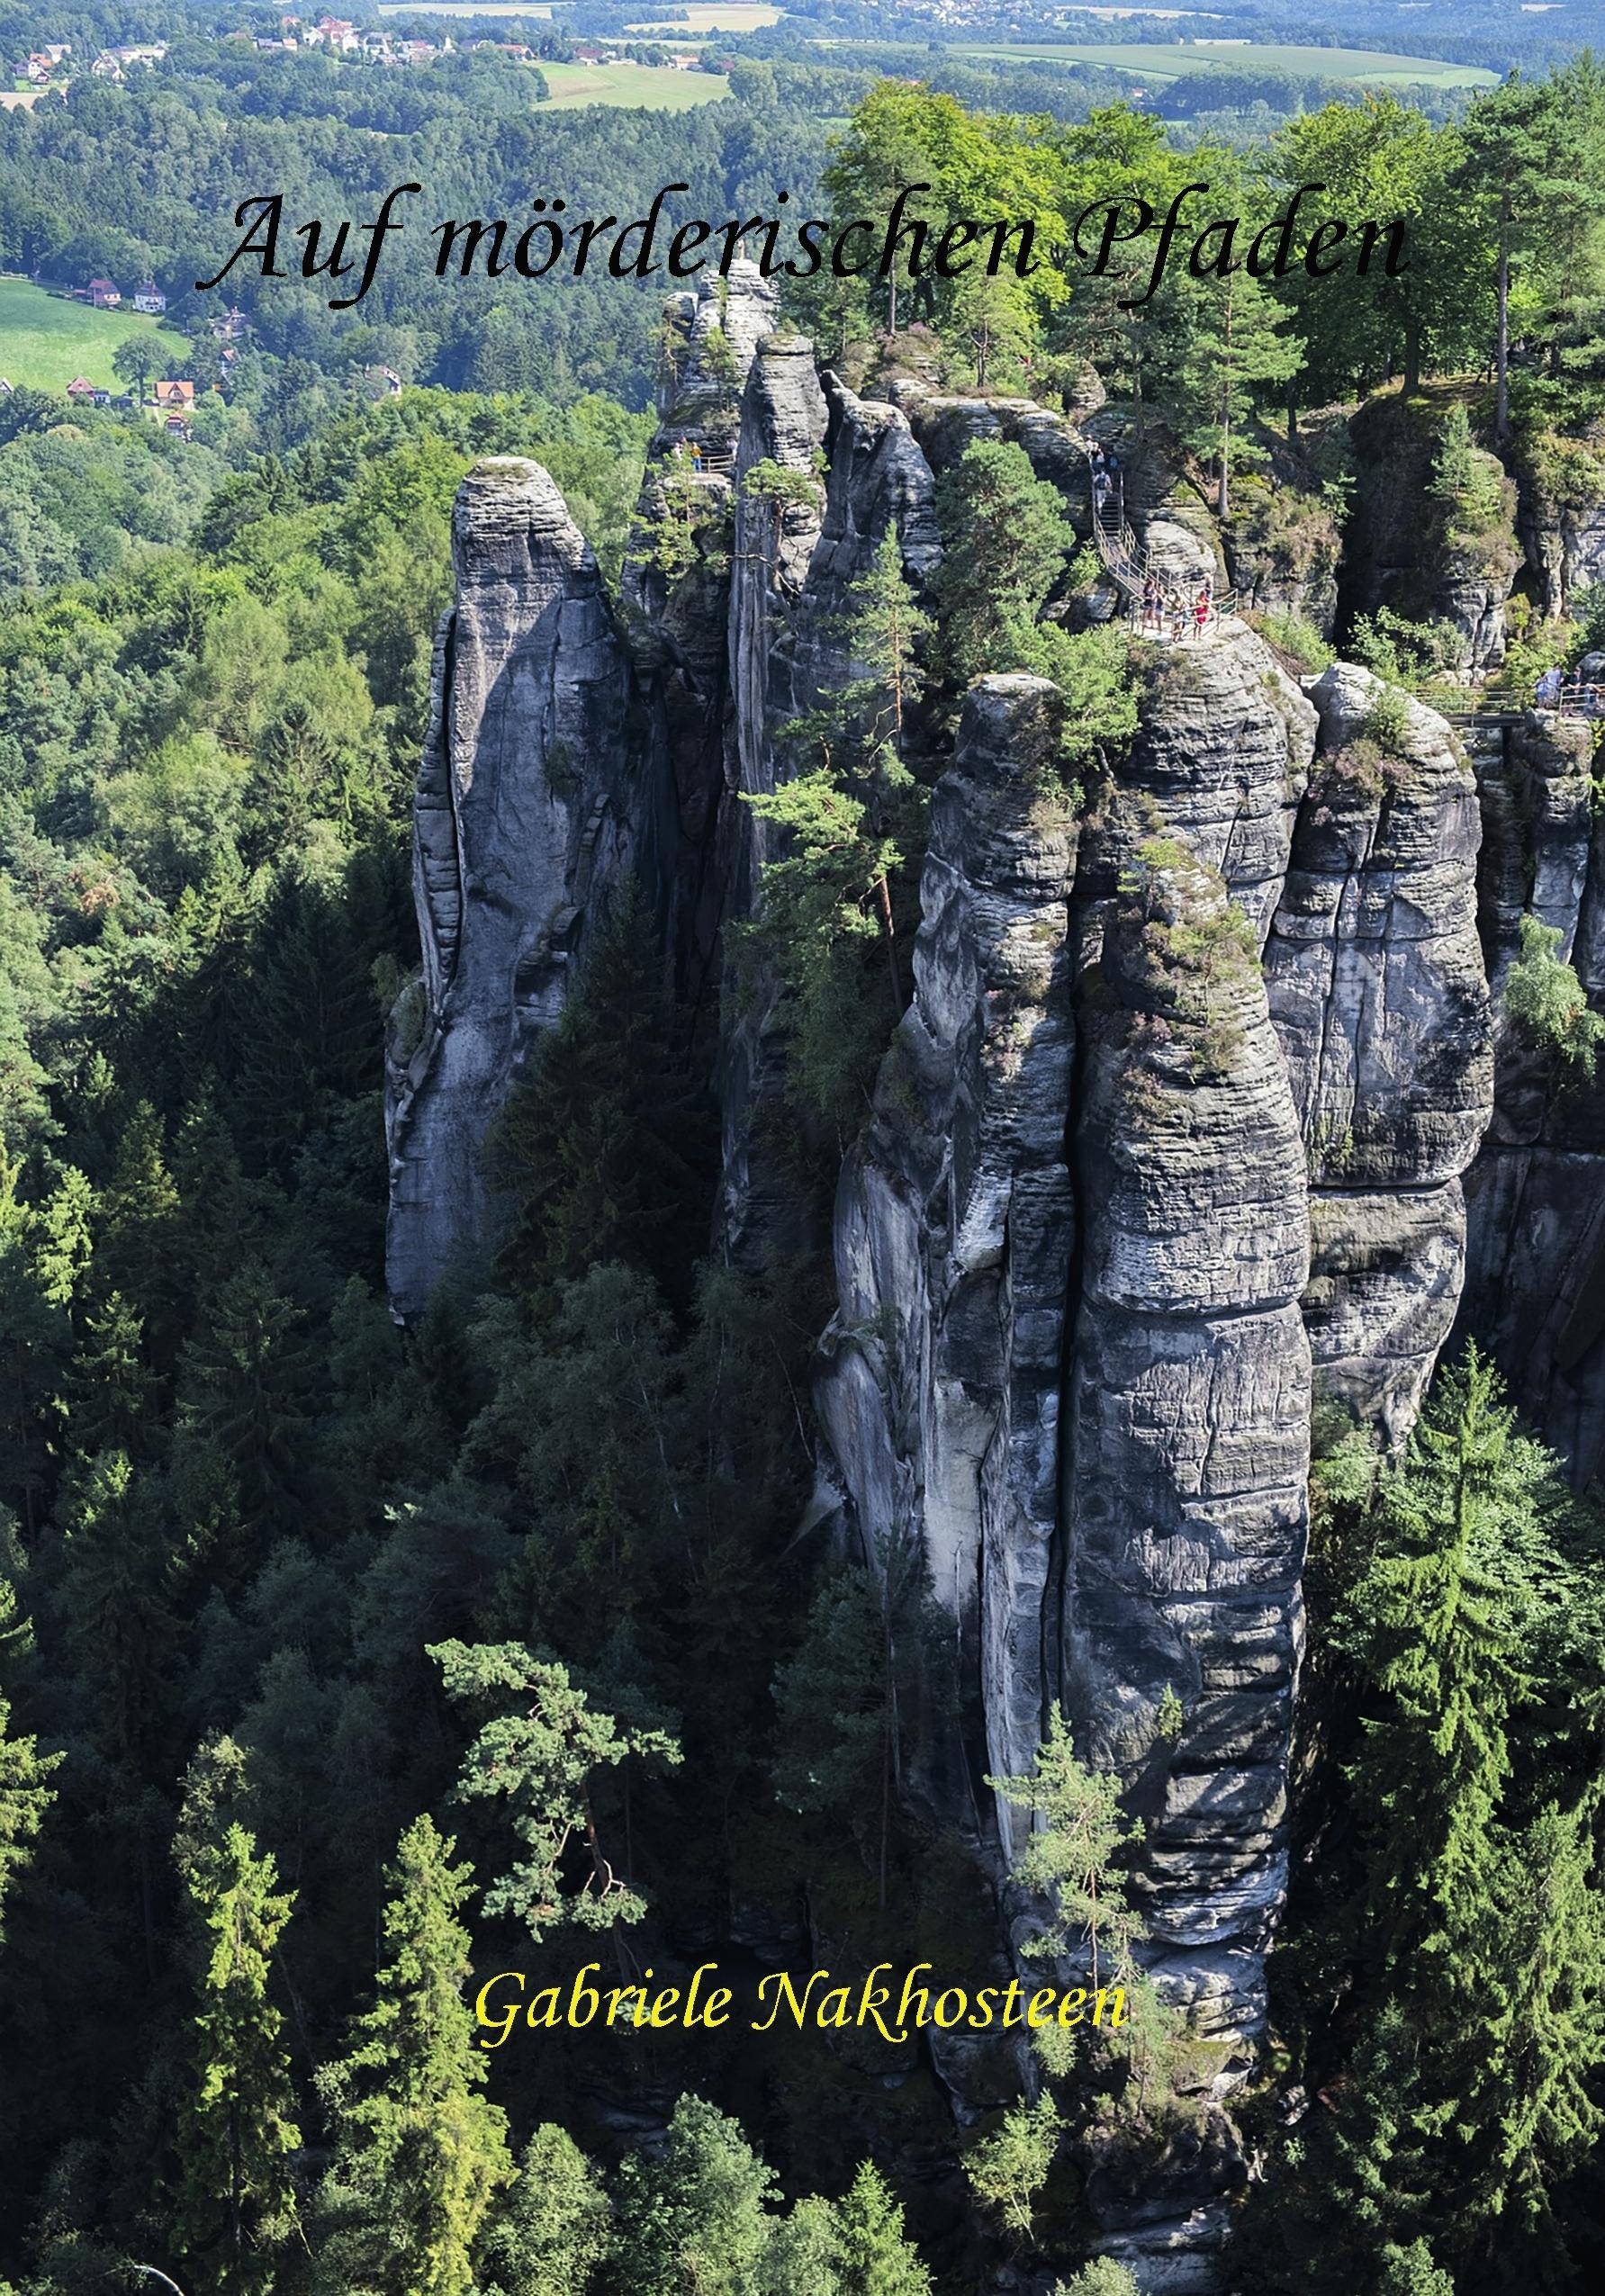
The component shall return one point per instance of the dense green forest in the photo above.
(342, 1667)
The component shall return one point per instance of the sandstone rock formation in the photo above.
(1167, 1155)
(1535, 1290)
(1377, 987)
(940, 1392)
(531, 806)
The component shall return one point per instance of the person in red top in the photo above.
(1201, 605)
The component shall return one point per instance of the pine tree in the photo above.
(236, 2202)
(1073, 1856)
(1008, 542)
(543, 1759)
(1009, 2168)
(1101, 2277)
(418, 2152)
(555, 2228)
(849, 820)
(1235, 347)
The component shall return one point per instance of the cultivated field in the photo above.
(718, 15)
(1165, 61)
(45, 342)
(657, 88)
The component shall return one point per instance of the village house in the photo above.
(150, 298)
(334, 32)
(176, 396)
(105, 293)
(81, 390)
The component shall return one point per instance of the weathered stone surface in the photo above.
(528, 809)
(794, 565)
(1400, 552)
(1564, 544)
(940, 1394)
(1535, 1291)
(1377, 987)
(678, 629)
(1187, 1438)
(1220, 759)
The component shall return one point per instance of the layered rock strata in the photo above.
(1187, 1447)
(1377, 987)
(940, 1392)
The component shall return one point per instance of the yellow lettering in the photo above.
(1069, 2007)
(1117, 1996)
(665, 2000)
(509, 2017)
(580, 1991)
(871, 2002)
(788, 1992)
(1037, 2000)
(983, 2009)
(548, 1994)
(838, 2016)
(905, 2009)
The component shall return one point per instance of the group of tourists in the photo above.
(1105, 472)
(1168, 611)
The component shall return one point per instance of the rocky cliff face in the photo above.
(1377, 990)
(1166, 1156)
(1400, 553)
(1535, 1291)
(531, 803)
(940, 1388)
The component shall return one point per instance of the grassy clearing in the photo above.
(1165, 61)
(45, 342)
(656, 88)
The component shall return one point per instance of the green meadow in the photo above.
(45, 341)
(656, 86)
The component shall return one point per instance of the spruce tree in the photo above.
(1436, 1635)
(419, 2153)
(874, 2255)
(555, 2228)
(25, 1794)
(235, 2204)
(696, 2219)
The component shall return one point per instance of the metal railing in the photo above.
(1128, 563)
